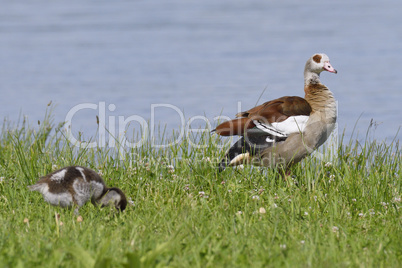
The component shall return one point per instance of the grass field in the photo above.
(182, 213)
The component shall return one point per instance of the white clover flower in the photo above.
(335, 229)
(397, 199)
(239, 212)
(275, 205)
(282, 246)
(170, 168)
(207, 159)
(302, 242)
(306, 213)
(256, 197)
(354, 199)
(361, 214)
(328, 164)
(201, 194)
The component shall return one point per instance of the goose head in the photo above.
(318, 63)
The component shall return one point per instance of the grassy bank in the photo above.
(182, 213)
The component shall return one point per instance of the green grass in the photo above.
(346, 213)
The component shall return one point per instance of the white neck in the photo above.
(311, 78)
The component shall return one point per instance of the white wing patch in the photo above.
(81, 170)
(293, 124)
(59, 176)
(239, 159)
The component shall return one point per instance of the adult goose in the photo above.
(283, 131)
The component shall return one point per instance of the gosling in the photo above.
(75, 185)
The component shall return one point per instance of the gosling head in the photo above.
(114, 197)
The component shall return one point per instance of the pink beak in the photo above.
(328, 67)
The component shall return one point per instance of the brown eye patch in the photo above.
(317, 58)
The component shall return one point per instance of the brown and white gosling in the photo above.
(75, 185)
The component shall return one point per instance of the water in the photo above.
(200, 58)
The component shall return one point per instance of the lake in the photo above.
(187, 62)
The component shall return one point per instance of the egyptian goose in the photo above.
(283, 131)
(75, 186)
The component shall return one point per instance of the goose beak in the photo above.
(328, 67)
